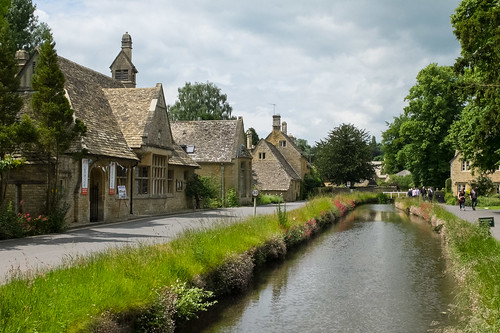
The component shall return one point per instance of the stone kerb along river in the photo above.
(376, 271)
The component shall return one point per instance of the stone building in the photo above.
(462, 174)
(219, 148)
(129, 164)
(279, 165)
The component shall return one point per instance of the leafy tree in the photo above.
(200, 101)
(376, 148)
(304, 148)
(477, 133)
(432, 107)
(14, 133)
(54, 116)
(201, 188)
(483, 185)
(310, 184)
(255, 136)
(392, 143)
(344, 156)
(27, 31)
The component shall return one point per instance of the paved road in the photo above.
(473, 216)
(49, 251)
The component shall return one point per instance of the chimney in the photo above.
(127, 45)
(284, 127)
(276, 122)
(22, 58)
(249, 139)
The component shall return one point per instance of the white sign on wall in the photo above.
(85, 176)
(112, 172)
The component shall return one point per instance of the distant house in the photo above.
(219, 148)
(462, 174)
(130, 164)
(279, 165)
(272, 174)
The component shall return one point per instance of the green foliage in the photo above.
(392, 143)
(447, 185)
(282, 216)
(232, 199)
(191, 300)
(477, 133)
(344, 156)
(255, 136)
(159, 317)
(483, 185)
(265, 199)
(311, 183)
(489, 201)
(432, 107)
(9, 223)
(200, 100)
(382, 198)
(450, 199)
(403, 182)
(202, 188)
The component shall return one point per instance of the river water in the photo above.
(375, 271)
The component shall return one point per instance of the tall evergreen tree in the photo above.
(27, 31)
(54, 116)
(13, 132)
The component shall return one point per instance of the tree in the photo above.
(344, 156)
(55, 119)
(255, 136)
(433, 106)
(14, 132)
(200, 101)
(376, 149)
(477, 133)
(27, 31)
(392, 144)
(305, 148)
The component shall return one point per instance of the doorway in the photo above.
(96, 195)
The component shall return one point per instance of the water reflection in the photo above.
(373, 272)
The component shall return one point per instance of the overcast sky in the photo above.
(317, 63)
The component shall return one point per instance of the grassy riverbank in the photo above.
(115, 289)
(475, 262)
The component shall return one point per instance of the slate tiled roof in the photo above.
(180, 157)
(214, 141)
(85, 92)
(272, 174)
(131, 106)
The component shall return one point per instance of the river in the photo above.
(375, 271)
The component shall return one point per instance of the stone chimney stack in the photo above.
(127, 45)
(276, 122)
(284, 127)
(249, 139)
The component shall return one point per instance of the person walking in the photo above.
(430, 193)
(461, 199)
(473, 198)
(424, 193)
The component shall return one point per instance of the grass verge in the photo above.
(475, 262)
(119, 286)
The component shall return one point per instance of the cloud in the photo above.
(321, 62)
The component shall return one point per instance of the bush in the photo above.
(382, 198)
(489, 201)
(9, 223)
(450, 199)
(447, 186)
(232, 199)
(266, 199)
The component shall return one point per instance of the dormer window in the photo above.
(121, 74)
(188, 149)
(282, 143)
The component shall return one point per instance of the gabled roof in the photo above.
(180, 157)
(272, 174)
(134, 108)
(123, 55)
(289, 140)
(213, 141)
(84, 89)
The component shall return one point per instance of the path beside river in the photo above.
(49, 251)
(473, 216)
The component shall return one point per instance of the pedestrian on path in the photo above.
(461, 199)
(473, 198)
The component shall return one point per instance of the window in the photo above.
(159, 173)
(178, 185)
(121, 176)
(142, 179)
(460, 187)
(465, 165)
(497, 188)
(282, 143)
(190, 149)
(121, 74)
(262, 156)
(170, 181)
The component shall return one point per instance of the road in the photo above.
(473, 215)
(28, 255)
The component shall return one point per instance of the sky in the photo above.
(316, 63)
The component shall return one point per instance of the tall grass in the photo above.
(125, 279)
(475, 261)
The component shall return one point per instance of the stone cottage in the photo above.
(219, 148)
(129, 164)
(462, 174)
(279, 165)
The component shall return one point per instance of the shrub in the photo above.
(450, 199)
(447, 185)
(160, 316)
(190, 301)
(382, 198)
(266, 199)
(9, 223)
(232, 199)
(489, 201)
(234, 275)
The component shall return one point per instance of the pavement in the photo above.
(473, 216)
(41, 253)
